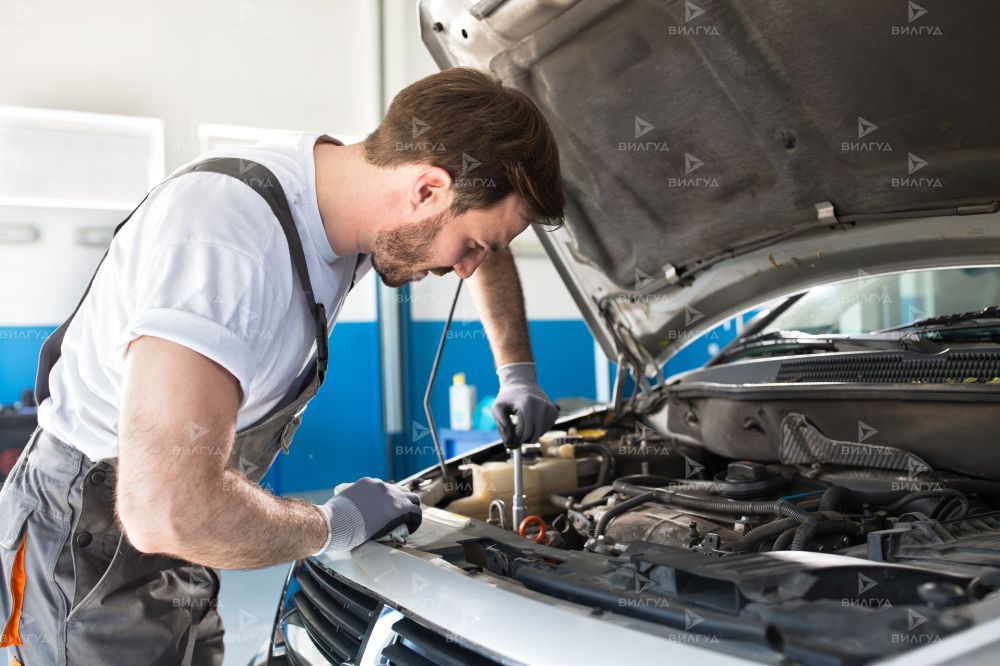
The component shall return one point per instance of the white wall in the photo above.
(303, 65)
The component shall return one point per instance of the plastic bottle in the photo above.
(462, 400)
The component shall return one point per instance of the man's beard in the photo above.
(398, 251)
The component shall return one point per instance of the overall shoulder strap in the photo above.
(262, 181)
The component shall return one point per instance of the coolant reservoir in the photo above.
(495, 480)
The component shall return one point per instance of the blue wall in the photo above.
(19, 347)
(341, 436)
(564, 350)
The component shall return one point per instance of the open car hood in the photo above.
(719, 154)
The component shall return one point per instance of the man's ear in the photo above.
(431, 189)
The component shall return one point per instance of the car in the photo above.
(823, 491)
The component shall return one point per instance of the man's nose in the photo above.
(468, 266)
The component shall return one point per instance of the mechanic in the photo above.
(186, 366)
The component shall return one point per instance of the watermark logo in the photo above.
(470, 164)
(642, 279)
(642, 583)
(914, 619)
(691, 620)
(246, 467)
(914, 468)
(26, 23)
(199, 592)
(418, 431)
(419, 583)
(692, 164)
(692, 13)
(691, 467)
(866, 127)
(692, 316)
(248, 25)
(914, 313)
(914, 26)
(640, 445)
(247, 619)
(865, 583)
(859, 293)
(418, 127)
(23, 12)
(641, 128)
(915, 480)
(24, 334)
(195, 431)
(865, 431)
(245, 167)
(247, 11)
(913, 165)
(914, 11)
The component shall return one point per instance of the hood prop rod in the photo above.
(430, 387)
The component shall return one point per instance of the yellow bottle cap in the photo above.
(458, 378)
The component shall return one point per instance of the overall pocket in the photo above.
(13, 545)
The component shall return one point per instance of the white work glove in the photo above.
(368, 509)
(520, 394)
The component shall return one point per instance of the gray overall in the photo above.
(89, 597)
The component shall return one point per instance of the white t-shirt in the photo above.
(203, 263)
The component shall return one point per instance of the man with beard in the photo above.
(203, 335)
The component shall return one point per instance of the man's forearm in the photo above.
(243, 526)
(496, 292)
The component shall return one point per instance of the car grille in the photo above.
(336, 617)
(418, 646)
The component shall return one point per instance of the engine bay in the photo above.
(839, 552)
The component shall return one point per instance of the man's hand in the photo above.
(368, 509)
(520, 394)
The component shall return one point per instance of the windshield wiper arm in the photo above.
(947, 321)
(778, 341)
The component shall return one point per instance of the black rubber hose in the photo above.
(951, 508)
(936, 492)
(784, 540)
(569, 503)
(571, 588)
(655, 482)
(837, 526)
(737, 507)
(604, 454)
(749, 541)
(841, 498)
(618, 509)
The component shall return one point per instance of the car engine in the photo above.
(839, 552)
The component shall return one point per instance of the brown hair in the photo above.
(492, 139)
